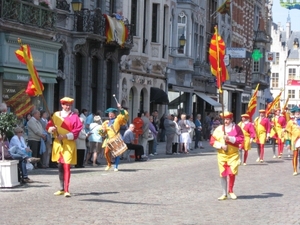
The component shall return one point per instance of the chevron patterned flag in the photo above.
(224, 8)
(115, 30)
(252, 104)
(272, 104)
(216, 58)
(284, 110)
(35, 86)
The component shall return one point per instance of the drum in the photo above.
(116, 145)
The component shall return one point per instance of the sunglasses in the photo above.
(20, 132)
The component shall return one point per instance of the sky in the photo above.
(280, 14)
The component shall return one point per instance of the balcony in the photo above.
(262, 79)
(238, 79)
(93, 22)
(261, 37)
(27, 14)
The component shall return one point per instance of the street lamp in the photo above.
(76, 5)
(182, 42)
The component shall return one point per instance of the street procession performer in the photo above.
(277, 131)
(226, 139)
(65, 126)
(249, 134)
(293, 131)
(262, 129)
(111, 127)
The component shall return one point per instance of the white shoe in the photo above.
(151, 154)
(257, 159)
(116, 170)
(274, 156)
(155, 153)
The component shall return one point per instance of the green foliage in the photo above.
(7, 122)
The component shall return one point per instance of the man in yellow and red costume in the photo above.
(249, 134)
(262, 129)
(293, 131)
(226, 139)
(277, 132)
(111, 127)
(65, 126)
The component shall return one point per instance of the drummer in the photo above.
(111, 128)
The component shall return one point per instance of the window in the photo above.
(78, 79)
(181, 29)
(275, 79)
(94, 83)
(134, 17)
(292, 74)
(196, 41)
(256, 17)
(201, 43)
(291, 93)
(155, 19)
(145, 40)
(112, 6)
(277, 58)
(255, 66)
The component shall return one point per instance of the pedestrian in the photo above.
(226, 139)
(129, 141)
(184, 136)
(153, 143)
(170, 128)
(249, 134)
(198, 132)
(293, 130)
(162, 131)
(143, 139)
(95, 140)
(35, 135)
(110, 128)
(262, 130)
(191, 131)
(176, 137)
(277, 132)
(81, 145)
(66, 126)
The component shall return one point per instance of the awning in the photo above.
(158, 96)
(217, 106)
(176, 102)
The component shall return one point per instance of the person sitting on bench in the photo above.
(128, 138)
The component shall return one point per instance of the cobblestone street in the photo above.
(177, 189)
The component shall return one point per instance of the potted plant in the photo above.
(8, 168)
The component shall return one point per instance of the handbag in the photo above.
(150, 136)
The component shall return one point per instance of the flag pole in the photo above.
(219, 81)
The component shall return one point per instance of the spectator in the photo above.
(207, 127)
(153, 143)
(191, 130)
(81, 146)
(198, 132)
(184, 136)
(143, 139)
(35, 135)
(83, 115)
(95, 140)
(19, 151)
(76, 111)
(162, 131)
(176, 137)
(27, 118)
(128, 138)
(48, 141)
(170, 133)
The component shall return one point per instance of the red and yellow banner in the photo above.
(24, 55)
(224, 8)
(216, 58)
(252, 103)
(274, 103)
(115, 30)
